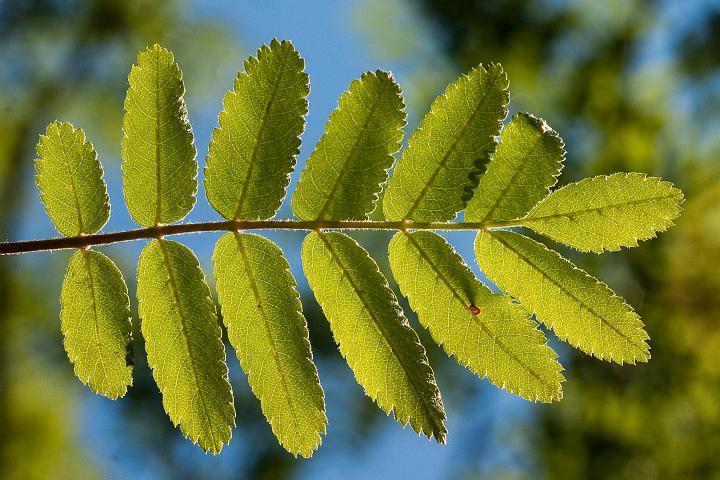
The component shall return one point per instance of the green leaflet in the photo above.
(252, 153)
(374, 336)
(95, 321)
(438, 171)
(485, 331)
(579, 308)
(525, 165)
(263, 315)
(159, 166)
(69, 176)
(446, 167)
(607, 212)
(183, 342)
(345, 172)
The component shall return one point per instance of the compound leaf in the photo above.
(374, 336)
(184, 346)
(439, 170)
(579, 308)
(95, 321)
(159, 167)
(607, 212)
(262, 312)
(69, 176)
(525, 165)
(252, 152)
(345, 172)
(484, 331)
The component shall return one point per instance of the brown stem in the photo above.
(82, 241)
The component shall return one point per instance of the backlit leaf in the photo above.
(525, 165)
(159, 165)
(374, 336)
(346, 170)
(607, 212)
(252, 152)
(439, 170)
(484, 331)
(183, 342)
(262, 312)
(579, 308)
(95, 321)
(70, 179)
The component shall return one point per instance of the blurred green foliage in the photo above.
(68, 59)
(588, 67)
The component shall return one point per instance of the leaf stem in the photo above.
(84, 241)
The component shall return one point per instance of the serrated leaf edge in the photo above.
(357, 83)
(306, 339)
(439, 436)
(184, 123)
(343, 169)
(86, 142)
(545, 130)
(580, 344)
(213, 448)
(440, 102)
(527, 221)
(263, 51)
(73, 359)
(556, 389)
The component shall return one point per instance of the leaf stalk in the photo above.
(84, 241)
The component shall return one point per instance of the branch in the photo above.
(84, 241)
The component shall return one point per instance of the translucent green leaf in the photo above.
(345, 172)
(252, 153)
(525, 165)
(70, 179)
(607, 212)
(374, 336)
(159, 165)
(95, 321)
(579, 308)
(183, 341)
(484, 331)
(263, 315)
(438, 171)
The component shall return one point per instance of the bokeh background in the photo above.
(631, 85)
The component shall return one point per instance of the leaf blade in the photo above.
(438, 171)
(555, 289)
(251, 155)
(159, 166)
(93, 280)
(345, 172)
(487, 333)
(524, 167)
(69, 176)
(631, 207)
(180, 328)
(270, 336)
(366, 311)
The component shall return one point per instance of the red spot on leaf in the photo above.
(474, 310)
